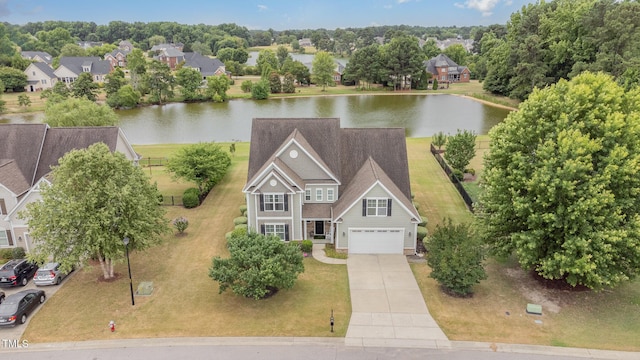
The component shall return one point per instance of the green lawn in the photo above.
(187, 300)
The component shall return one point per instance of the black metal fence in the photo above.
(170, 200)
(153, 161)
(465, 196)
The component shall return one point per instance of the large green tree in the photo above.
(217, 87)
(137, 65)
(258, 265)
(561, 184)
(159, 81)
(323, 68)
(402, 60)
(365, 65)
(190, 80)
(203, 163)
(116, 200)
(461, 148)
(78, 112)
(13, 79)
(266, 62)
(84, 87)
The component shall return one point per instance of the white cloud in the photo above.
(484, 6)
(262, 8)
(403, 1)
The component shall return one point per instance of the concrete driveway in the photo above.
(15, 333)
(387, 306)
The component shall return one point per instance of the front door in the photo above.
(319, 228)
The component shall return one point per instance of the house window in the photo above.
(376, 207)
(34, 73)
(4, 240)
(307, 195)
(318, 194)
(274, 202)
(279, 230)
(330, 195)
(44, 81)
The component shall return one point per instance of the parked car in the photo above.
(15, 308)
(17, 272)
(49, 274)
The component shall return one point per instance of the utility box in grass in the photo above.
(145, 288)
(534, 309)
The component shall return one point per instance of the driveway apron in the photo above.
(388, 309)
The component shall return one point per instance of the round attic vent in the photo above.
(293, 154)
(273, 182)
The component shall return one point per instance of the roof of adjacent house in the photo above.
(28, 151)
(357, 157)
(75, 64)
(46, 57)
(46, 69)
(442, 60)
(115, 52)
(206, 65)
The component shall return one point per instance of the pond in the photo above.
(420, 115)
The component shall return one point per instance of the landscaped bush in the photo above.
(191, 198)
(242, 226)
(306, 246)
(180, 224)
(6, 254)
(243, 209)
(423, 222)
(470, 171)
(18, 253)
(228, 235)
(457, 175)
(421, 233)
(240, 220)
(416, 205)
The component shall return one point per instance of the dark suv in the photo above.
(17, 272)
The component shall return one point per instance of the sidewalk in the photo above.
(318, 254)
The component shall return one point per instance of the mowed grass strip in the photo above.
(185, 301)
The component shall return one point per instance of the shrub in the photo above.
(470, 171)
(421, 233)
(455, 257)
(18, 253)
(456, 175)
(242, 226)
(240, 220)
(306, 246)
(228, 235)
(243, 209)
(416, 205)
(191, 198)
(181, 224)
(423, 222)
(6, 253)
(246, 86)
(258, 266)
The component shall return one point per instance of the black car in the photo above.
(17, 272)
(15, 308)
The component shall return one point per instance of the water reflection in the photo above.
(420, 115)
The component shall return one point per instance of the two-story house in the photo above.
(72, 66)
(40, 76)
(38, 56)
(445, 70)
(27, 153)
(117, 58)
(312, 179)
(204, 64)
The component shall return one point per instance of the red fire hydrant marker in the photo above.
(112, 326)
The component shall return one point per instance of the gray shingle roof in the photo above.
(442, 60)
(43, 55)
(48, 70)
(206, 65)
(29, 150)
(75, 63)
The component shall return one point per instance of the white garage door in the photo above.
(376, 241)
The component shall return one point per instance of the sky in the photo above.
(265, 14)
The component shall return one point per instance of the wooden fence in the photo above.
(465, 196)
(170, 200)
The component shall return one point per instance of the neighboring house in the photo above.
(38, 56)
(27, 153)
(40, 76)
(305, 42)
(338, 71)
(117, 58)
(206, 65)
(311, 179)
(446, 70)
(89, 44)
(72, 66)
(168, 54)
(125, 45)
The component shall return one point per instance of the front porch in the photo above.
(318, 230)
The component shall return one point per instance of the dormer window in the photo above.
(86, 69)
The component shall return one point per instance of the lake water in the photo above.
(420, 115)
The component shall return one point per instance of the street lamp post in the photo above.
(126, 246)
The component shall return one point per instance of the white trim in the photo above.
(293, 141)
(34, 188)
(377, 207)
(275, 174)
(274, 202)
(319, 195)
(272, 167)
(331, 191)
(362, 196)
(136, 156)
